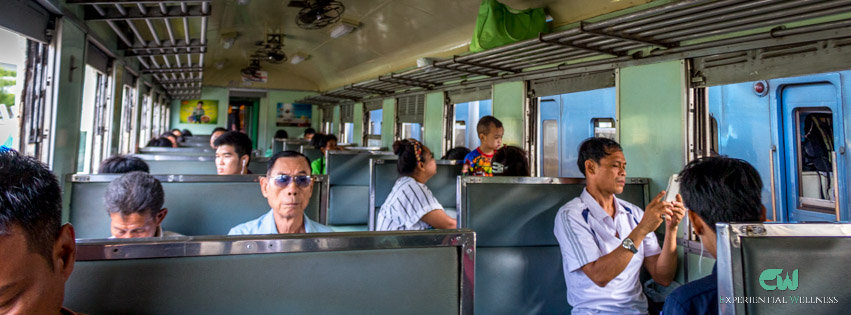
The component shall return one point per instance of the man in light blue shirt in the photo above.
(287, 187)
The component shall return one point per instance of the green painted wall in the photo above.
(508, 99)
(433, 123)
(207, 93)
(68, 106)
(388, 123)
(651, 110)
(358, 121)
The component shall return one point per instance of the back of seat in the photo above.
(311, 153)
(519, 267)
(197, 205)
(425, 272)
(348, 192)
(383, 176)
(186, 165)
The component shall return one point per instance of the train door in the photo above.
(812, 138)
(566, 120)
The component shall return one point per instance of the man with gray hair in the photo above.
(134, 203)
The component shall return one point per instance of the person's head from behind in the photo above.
(171, 138)
(215, 134)
(456, 153)
(720, 189)
(233, 153)
(327, 143)
(120, 164)
(602, 162)
(177, 133)
(161, 142)
(288, 184)
(490, 133)
(510, 161)
(134, 203)
(37, 251)
(309, 133)
(414, 160)
(187, 133)
(281, 134)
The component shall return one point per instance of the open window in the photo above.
(463, 109)
(372, 120)
(410, 111)
(815, 147)
(605, 128)
(347, 123)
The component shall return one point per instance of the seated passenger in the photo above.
(187, 133)
(324, 144)
(510, 161)
(456, 153)
(178, 135)
(160, 142)
(170, 137)
(233, 153)
(309, 133)
(411, 205)
(215, 134)
(134, 203)
(37, 251)
(120, 164)
(714, 189)
(605, 241)
(287, 187)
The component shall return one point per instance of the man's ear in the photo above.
(161, 215)
(696, 223)
(263, 181)
(590, 167)
(65, 251)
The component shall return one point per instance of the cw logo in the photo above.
(782, 284)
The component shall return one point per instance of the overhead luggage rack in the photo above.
(679, 30)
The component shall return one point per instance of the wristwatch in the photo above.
(628, 244)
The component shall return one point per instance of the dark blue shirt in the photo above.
(696, 297)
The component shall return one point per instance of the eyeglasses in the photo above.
(285, 180)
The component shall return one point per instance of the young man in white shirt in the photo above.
(605, 241)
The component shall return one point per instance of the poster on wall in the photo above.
(199, 112)
(294, 115)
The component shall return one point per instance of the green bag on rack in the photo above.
(499, 25)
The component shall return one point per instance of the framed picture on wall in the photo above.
(293, 115)
(199, 112)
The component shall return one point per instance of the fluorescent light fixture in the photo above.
(342, 29)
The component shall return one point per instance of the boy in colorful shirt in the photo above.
(478, 162)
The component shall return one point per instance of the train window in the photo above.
(604, 127)
(713, 134)
(549, 146)
(814, 128)
(128, 119)
(412, 130)
(12, 70)
(372, 134)
(145, 122)
(467, 116)
(410, 112)
(347, 135)
(92, 124)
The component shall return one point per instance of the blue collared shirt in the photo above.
(696, 297)
(265, 224)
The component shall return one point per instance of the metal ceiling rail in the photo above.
(155, 54)
(672, 30)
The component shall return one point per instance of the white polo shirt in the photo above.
(585, 233)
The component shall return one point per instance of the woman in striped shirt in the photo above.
(411, 205)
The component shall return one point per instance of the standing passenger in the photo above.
(287, 187)
(411, 205)
(715, 189)
(605, 241)
(478, 162)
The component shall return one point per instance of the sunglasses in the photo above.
(285, 180)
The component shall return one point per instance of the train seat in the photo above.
(348, 188)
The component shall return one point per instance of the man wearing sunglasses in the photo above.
(287, 187)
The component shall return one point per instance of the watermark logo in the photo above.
(782, 284)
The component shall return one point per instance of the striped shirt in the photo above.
(404, 208)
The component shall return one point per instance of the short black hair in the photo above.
(281, 134)
(187, 133)
(722, 189)
(514, 161)
(406, 150)
(160, 142)
(456, 153)
(240, 142)
(317, 138)
(309, 131)
(120, 164)
(485, 123)
(594, 149)
(285, 154)
(217, 129)
(30, 197)
(324, 139)
(134, 192)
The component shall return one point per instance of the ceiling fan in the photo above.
(316, 14)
